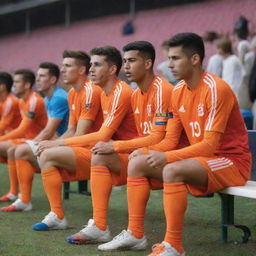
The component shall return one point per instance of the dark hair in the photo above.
(6, 78)
(52, 68)
(112, 55)
(225, 44)
(241, 28)
(191, 44)
(27, 74)
(145, 48)
(82, 58)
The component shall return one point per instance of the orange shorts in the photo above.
(119, 180)
(83, 166)
(222, 173)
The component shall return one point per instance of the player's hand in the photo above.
(43, 145)
(156, 159)
(135, 153)
(103, 148)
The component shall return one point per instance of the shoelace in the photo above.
(156, 249)
(121, 235)
(48, 216)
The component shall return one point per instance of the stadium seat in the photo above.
(82, 188)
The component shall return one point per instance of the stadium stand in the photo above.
(153, 25)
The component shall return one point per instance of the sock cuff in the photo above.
(174, 187)
(49, 172)
(137, 181)
(100, 169)
(11, 162)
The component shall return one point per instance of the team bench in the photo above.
(227, 197)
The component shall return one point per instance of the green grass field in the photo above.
(202, 226)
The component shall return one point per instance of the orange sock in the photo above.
(175, 205)
(52, 185)
(138, 190)
(14, 185)
(101, 187)
(25, 173)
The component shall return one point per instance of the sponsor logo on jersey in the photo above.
(105, 112)
(200, 110)
(182, 109)
(136, 111)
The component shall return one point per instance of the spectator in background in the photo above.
(215, 62)
(163, 67)
(232, 71)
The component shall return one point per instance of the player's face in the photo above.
(43, 79)
(134, 66)
(100, 70)
(19, 85)
(70, 70)
(179, 63)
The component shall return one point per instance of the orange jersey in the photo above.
(150, 111)
(118, 118)
(34, 118)
(85, 105)
(210, 110)
(10, 114)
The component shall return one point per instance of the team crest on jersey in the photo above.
(149, 109)
(88, 105)
(200, 110)
(105, 112)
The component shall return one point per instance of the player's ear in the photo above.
(148, 64)
(113, 69)
(82, 70)
(195, 59)
(53, 79)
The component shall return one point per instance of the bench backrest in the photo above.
(252, 145)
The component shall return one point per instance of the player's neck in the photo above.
(48, 93)
(79, 83)
(107, 88)
(194, 80)
(3, 96)
(25, 95)
(145, 83)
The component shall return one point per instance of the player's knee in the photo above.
(22, 152)
(45, 158)
(98, 160)
(11, 151)
(172, 173)
(136, 167)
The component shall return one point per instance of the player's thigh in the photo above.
(24, 152)
(190, 171)
(138, 167)
(59, 157)
(111, 161)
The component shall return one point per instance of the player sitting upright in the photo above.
(206, 108)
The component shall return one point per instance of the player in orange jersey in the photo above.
(118, 123)
(10, 113)
(206, 108)
(57, 110)
(84, 105)
(150, 104)
(34, 119)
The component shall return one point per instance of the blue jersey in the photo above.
(57, 107)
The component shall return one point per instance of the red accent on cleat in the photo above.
(9, 208)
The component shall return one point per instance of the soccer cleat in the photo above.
(18, 205)
(8, 197)
(164, 249)
(50, 222)
(90, 234)
(124, 241)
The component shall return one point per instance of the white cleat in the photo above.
(90, 234)
(18, 205)
(124, 241)
(50, 222)
(164, 249)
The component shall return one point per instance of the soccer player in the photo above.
(71, 160)
(150, 106)
(58, 112)
(34, 118)
(10, 113)
(206, 108)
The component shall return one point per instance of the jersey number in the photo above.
(147, 126)
(196, 130)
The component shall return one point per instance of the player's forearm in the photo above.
(130, 145)
(45, 134)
